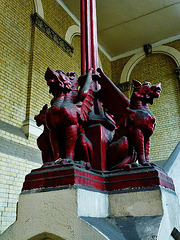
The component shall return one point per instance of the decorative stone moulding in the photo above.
(45, 28)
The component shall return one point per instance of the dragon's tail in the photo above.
(120, 154)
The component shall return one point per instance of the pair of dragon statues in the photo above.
(79, 104)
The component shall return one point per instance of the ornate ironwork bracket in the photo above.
(126, 86)
(45, 28)
(147, 49)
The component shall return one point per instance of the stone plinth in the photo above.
(49, 214)
(74, 174)
(70, 202)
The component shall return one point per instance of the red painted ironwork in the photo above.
(89, 47)
(94, 44)
(83, 37)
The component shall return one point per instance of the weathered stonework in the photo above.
(61, 214)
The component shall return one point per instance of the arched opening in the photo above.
(46, 236)
(72, 31)
(171, 52)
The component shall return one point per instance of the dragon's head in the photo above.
(59, 81)
(146, 92)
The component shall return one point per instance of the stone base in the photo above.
(49, 215)
(75, 174)
(69, 202)
(75, 213)
(129, 228)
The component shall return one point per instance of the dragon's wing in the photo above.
(114, 101)
(86, 98)
(87, 106)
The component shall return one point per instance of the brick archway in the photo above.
(46, 236)
(171, 52)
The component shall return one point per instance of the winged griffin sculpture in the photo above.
(65, 121)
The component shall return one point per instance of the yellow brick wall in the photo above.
(76, 57)
(174, 44)
(15, 30)
(117, 68)
(12, 172)
(48, 54)
(118, 65)
(56, 17)
(15, 36)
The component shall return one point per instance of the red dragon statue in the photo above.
(72, 112)
(135, 122)
(43, 140)
(63, 120)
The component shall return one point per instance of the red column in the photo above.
(83, 37)
(94, 44)
(89, 59)
(89, 47)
